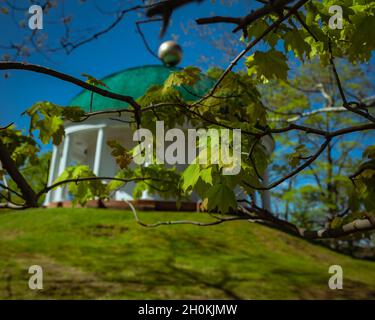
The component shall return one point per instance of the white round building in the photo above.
(86, 142)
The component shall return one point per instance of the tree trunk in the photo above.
(11, 168)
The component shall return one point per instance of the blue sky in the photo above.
(119, 49)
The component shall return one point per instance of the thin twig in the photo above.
(68, 78)
(346, 104)
(138, 23)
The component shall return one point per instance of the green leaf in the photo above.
(294, 41)
(73, 113)
(190, 176)
(51, 127)
(310, 13)
(4, 10)
(369, 152)
(267, 65)
(222, 198)
(122, 156)
(206, 175)
(366, 169)
(93, 81)
(188, 76)
(362, 39)
(257, 28)
(116, 184)
(295, 158)
(82, 191)
(47, 117)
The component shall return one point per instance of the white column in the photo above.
(62, 166)
(100, 144)
(51, 176)
(145, 194)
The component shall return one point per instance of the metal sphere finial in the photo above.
(170, 53)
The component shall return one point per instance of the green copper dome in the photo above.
(135, 82)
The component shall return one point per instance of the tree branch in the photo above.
(249, 46)
(192, 222)
(275, 6)
(358, 225)
(11, 190)
(317, 111)
(7, 126)
(346, 104)
(218, 19)
(68, 78)
(10, 166)
(138, 23)
(294, 172)
(165, 9)
(262, 216)
(70, 46)
(77, 180)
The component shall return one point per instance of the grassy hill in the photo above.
(101, 254)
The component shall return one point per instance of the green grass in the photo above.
(102, 254)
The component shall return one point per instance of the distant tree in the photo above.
(321, 195)
(323, 191)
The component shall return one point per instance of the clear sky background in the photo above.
(119, 49)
